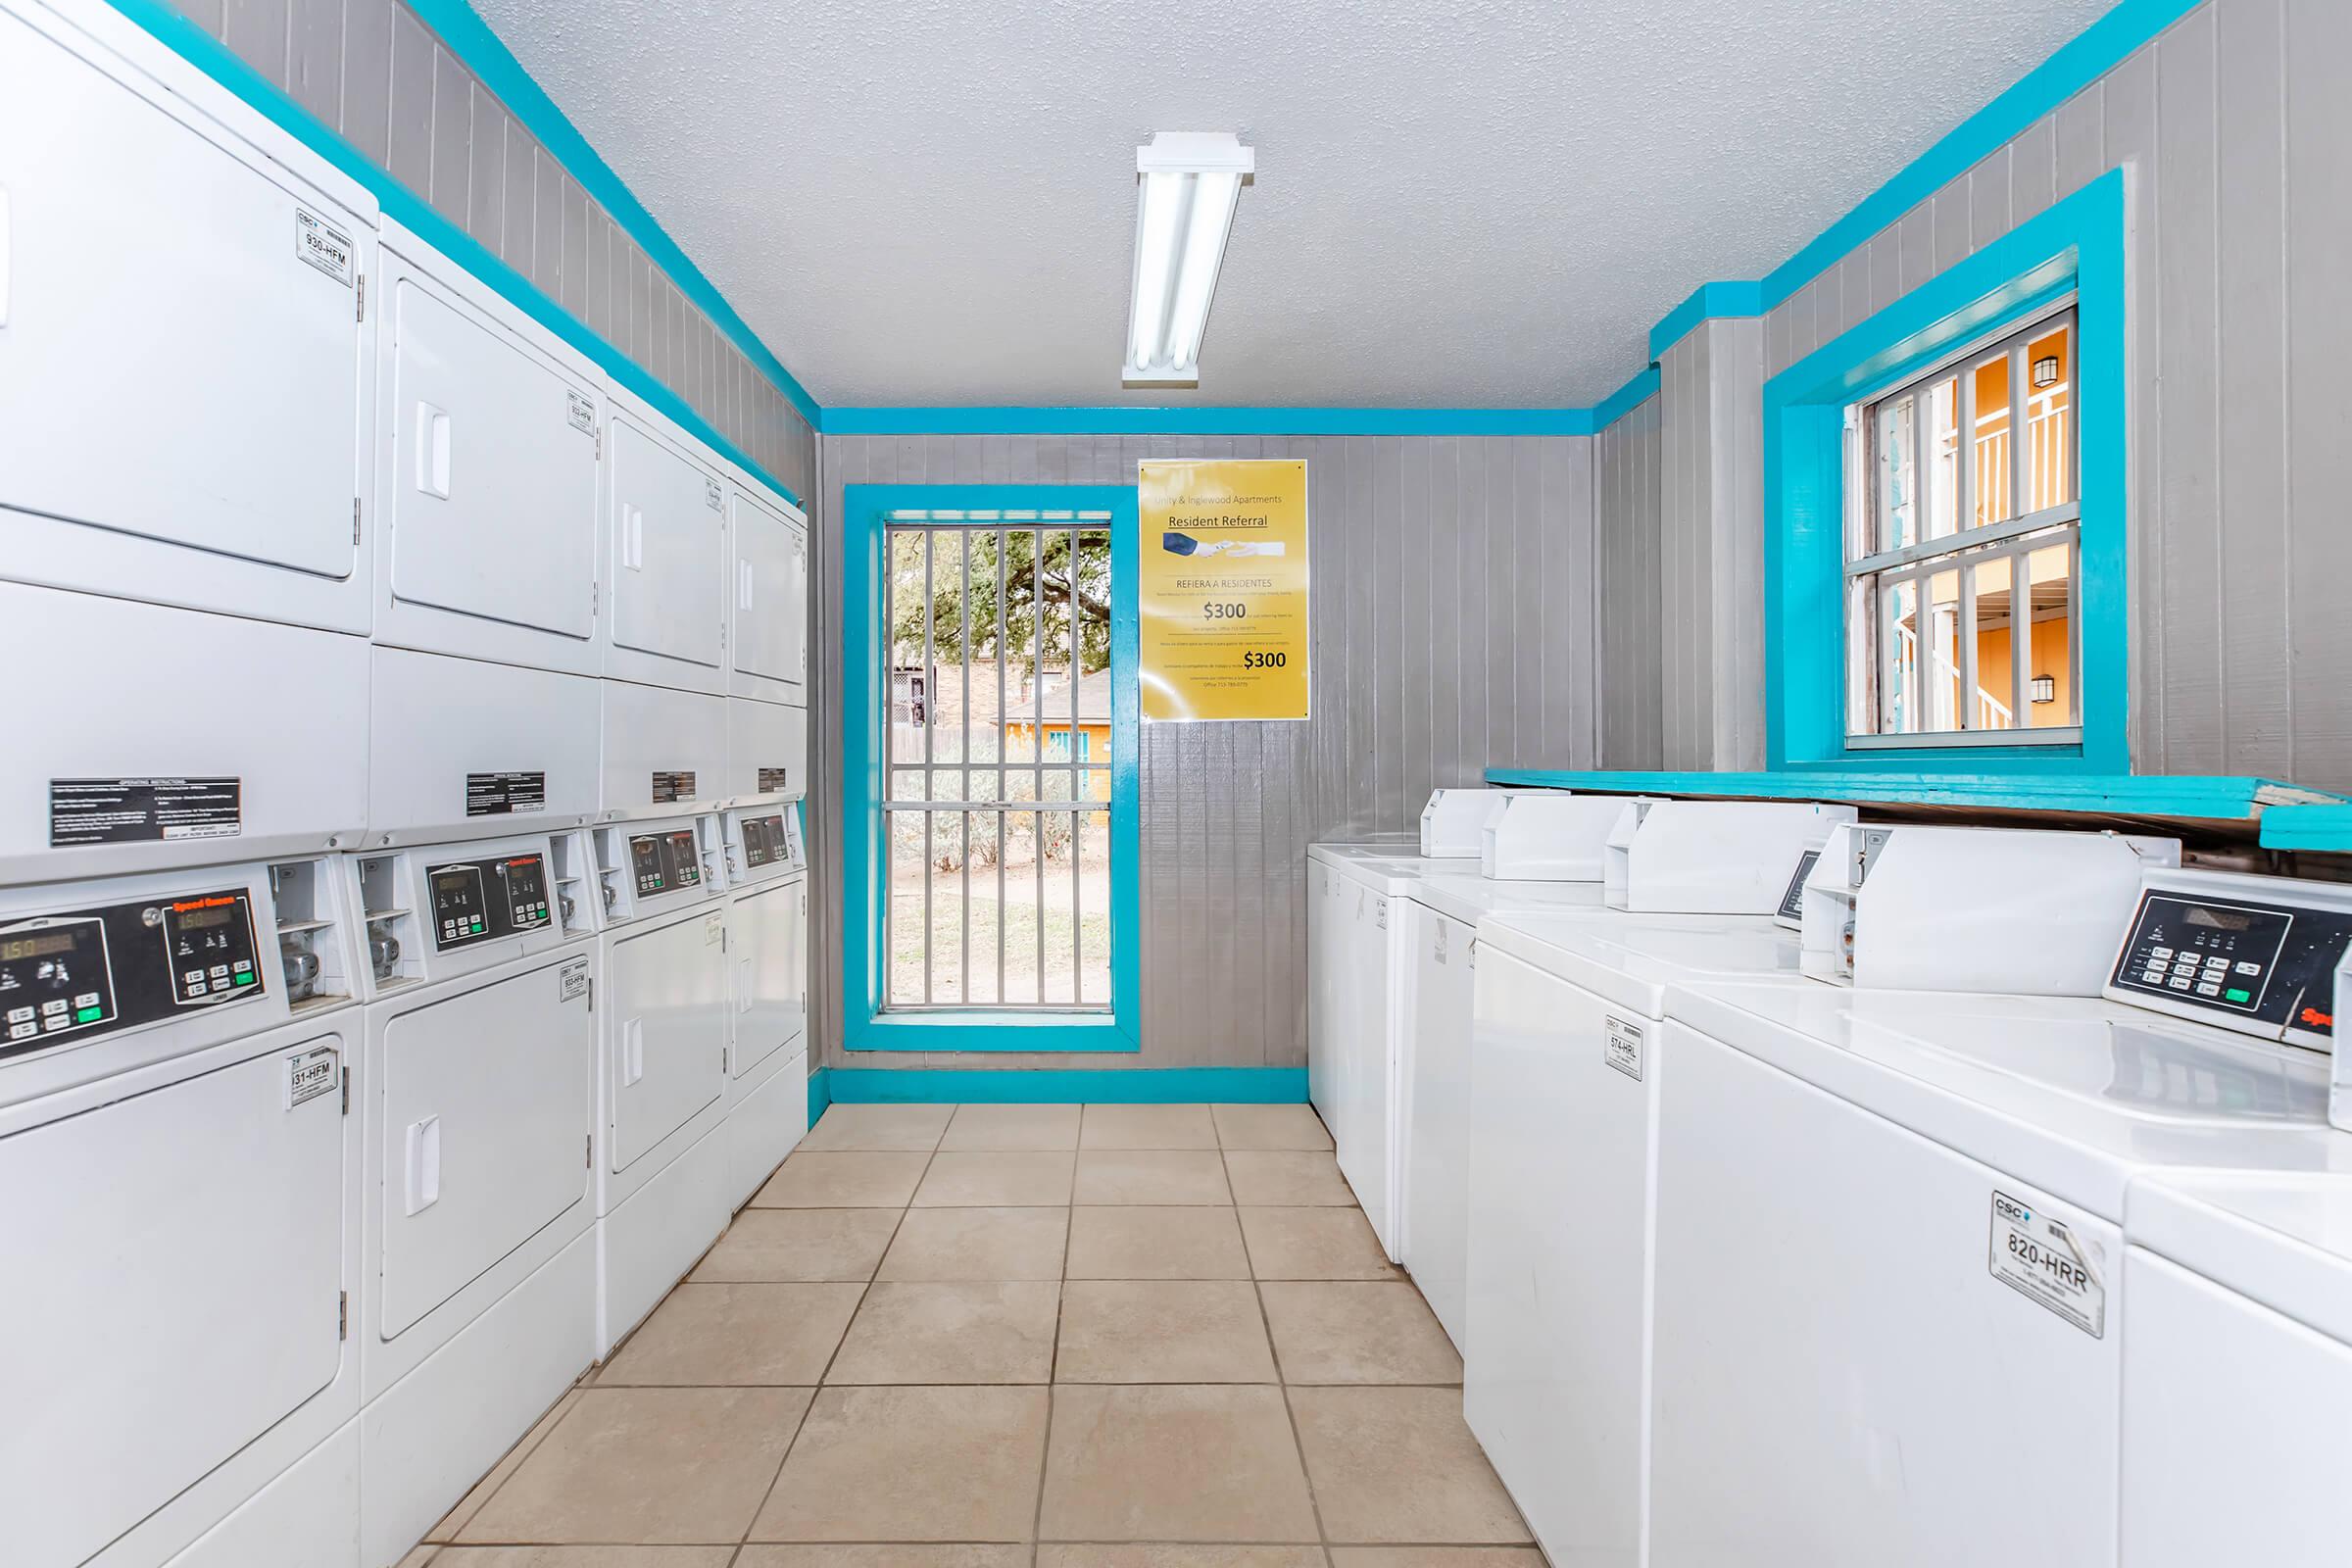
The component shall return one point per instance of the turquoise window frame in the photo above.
(866, 1027)
(2075, 247)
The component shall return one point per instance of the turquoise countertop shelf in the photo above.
(2327, 826)
(2214, 798)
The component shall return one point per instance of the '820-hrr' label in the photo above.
(2044, 1260)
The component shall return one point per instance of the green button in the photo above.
(2237, 995)
(245, 979)
(477, 925)
(90, 1016)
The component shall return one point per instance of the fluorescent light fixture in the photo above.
(1187, 183)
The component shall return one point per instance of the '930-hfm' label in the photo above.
(2043, 1259)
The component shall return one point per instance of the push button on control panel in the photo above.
(2248, 960)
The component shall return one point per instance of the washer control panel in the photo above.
(2265, 968)
(768, 841)
(665, 862)
(482, 901)
(76, 973)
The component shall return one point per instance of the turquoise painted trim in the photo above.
(1062, 1085)
(866, 1027)
(1191, 420)
(2089, 55)
(819, 1093)
(487, 55)
(1708, 302)
(2309, 827)
(2128, 794)
(217, 61)
(1624, 399)
(2077, 245)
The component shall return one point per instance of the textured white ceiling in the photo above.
(1459, 203)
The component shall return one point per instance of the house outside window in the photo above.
(1963, 548)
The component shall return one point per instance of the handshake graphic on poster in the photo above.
(1184, 544)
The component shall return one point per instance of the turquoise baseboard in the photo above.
(1151, 1086)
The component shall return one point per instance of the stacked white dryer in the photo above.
(185, 597)
(767, 941)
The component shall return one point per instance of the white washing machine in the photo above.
(1565, 1061)
(183, 1232)
(2237, 1371)
(668, 561)
(767, 946)
(1433, 1126)
(767, 647)
(1889, 1279)
(478, 1303)
(665, 1025)
(1355, 1008)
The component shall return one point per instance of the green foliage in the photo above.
(964, 598)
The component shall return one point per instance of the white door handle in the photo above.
(633, 1052)
(423, 1164)
(743, 585)
(633, 537)
(432, 450)
(7, 251)
(742, 993)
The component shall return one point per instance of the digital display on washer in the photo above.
(2271, 963)
(69, 975)
(466, 912)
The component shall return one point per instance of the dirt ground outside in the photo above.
(1016, 918)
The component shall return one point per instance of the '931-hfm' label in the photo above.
(2043, 1259)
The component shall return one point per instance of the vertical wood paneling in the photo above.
(1410, 626)
(1627, 527)
(412, 107)
(2250, 480)
(2188, 303)
(453, 132)
(367, 72)
(314, 58)
(2318, 423)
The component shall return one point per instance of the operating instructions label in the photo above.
(773, 779)
(1621, 1046)
(2044, 1260)
(673, 784)
(504, 794)
(141, 811)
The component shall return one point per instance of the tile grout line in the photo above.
(826, 1371)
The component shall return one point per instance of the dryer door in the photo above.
(178, 322)
(769, 945)
(669, 1030)
(493, 484)
(175, 1268)
(485, 1108)
(667, 558)
(771, 604)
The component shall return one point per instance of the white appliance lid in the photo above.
(2284, 1241)
(2071, 1093)
(1630, 959)
(1390, 868)
(1471, 899)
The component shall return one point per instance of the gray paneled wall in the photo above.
(1454, 620)
(2234, 126)
(1625, 471)
(376, 74)
(1711, 547)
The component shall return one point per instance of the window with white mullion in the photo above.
(1963, 546)
(998, 875)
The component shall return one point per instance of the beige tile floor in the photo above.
(1019, 1337)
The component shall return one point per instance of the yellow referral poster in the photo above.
(1223, 589)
